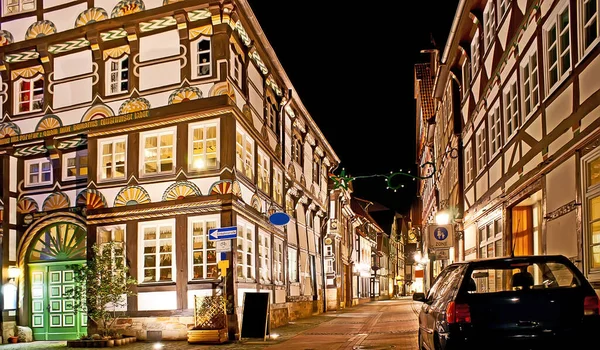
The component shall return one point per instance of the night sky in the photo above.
(352, 67)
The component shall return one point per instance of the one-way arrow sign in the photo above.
(215, 234)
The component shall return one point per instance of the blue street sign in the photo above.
(215, 234)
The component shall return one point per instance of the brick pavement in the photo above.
(378, 325)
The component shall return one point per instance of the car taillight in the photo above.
(591, 305)
(458, 313)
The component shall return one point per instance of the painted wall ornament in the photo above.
(342, 180)
(185, 94)
(40, 29)
(134, 105)
(127, 7)
(91, 15)
(6, 38)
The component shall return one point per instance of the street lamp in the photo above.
(442, 218)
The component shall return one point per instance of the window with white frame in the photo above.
(591, 191)
(293, 264)
(264, 172)
(112, 158)
(328, 250)
(289, 205)
(511, 109)
(117, 75)
(480, 144)
(29, 94)
(329, 266)
(271, 113)
(115, 234)
(317, 170)
(278, 262)
(204, 145)
(297, 149)
(75, 165)
(489, 23)
(466, 78)
(264, 257)
(13, 7)
(589, 24)
(530, 88)
(236, 68)
(158, 151)
(38, 172)
(277, 186)
(475, 54)
(503, 7)
(468, 163)
(558, 44)
(495, 123)
(156, 260)
(490, 246)
(244, 153)
(203, 251)
(245, 250)
(201, 58)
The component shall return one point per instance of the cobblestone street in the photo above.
(389, 324)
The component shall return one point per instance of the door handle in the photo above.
(48, 307)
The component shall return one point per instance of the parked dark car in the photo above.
(528, 302)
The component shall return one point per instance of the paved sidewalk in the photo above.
(387, 324)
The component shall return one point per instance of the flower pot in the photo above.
(110, 343)
(13, 339)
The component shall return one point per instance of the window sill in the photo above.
(155, 175)
(116, 93)
(557, 85)
(111, 180)
(155, 284)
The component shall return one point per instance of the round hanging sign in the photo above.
(279, 219)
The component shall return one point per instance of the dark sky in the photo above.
(352, 67)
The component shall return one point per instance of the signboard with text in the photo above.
(441, 236)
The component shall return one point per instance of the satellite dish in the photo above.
(279, 219)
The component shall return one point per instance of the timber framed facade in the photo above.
(149, 123)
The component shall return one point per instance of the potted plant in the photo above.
(95, 289)
(13, 339)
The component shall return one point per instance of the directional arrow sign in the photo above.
(215, 234)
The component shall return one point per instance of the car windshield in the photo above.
(522, 275)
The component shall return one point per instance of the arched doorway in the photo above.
(51, 252)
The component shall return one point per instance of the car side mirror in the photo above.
(419, 297)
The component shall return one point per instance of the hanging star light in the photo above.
(342, 180)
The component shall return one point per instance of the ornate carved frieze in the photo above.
(565, 209)
(300, 125)
(310, 139)
(319, 151)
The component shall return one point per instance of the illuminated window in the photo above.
(271, 113)
(530, 87)
(203, 254)
(244, 152)
(591, 181)
(293, 264)
(29, 95)
(112, 156)
(12, 7)
(468, 164)
(481, 148)
(264, 257)
(204, 142)
(511, 109)
(495, 123)
(503, 6)
(245, 251)
(489, 23)
(157, 262)
(475, 54)
(278, 261)
(297, 149)
(158, 151)
(264, 172)
(116, 234)
(277, 186)
(236, 68)
(316, 170)
(75, 165)
(588, 10)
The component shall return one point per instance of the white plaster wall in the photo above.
(150, 4)
(504, 73)
(256, 99)
(161, 74)
(489, 58)
(475, 87)
(255, 76)
(481, 186)
(12, 218)
(114, 105)
(510, 181)
(502, 32)
(561, 235)
(13, 174)
(108, 5)
(590, 117)
(535, 129)
(205, 183)
(64, 19)
(159, 46)
(28, 125)
(72, 116)
(507, 156)
(537, 159)
(12, 248)
(469, 197)
(239, 97)
(156, 190)
(246, 193)
(199, 292)
(72, 65)
(110, 194)
(560, 141)
(72, 93)
(526, 36)
(470, 236)
(559, 109)
(18, 27)
(159, 99)
(280, 296)
(495, 171)
(157, 301)
(52, 3)
(588, 80)
(204, 88)
(560, 185)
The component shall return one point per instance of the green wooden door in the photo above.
(53, 316)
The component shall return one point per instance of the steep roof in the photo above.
(424, 80)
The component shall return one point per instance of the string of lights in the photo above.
(342, 180)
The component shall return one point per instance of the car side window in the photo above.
(448, 287)
(436, 285)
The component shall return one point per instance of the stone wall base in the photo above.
(8, 330)
(167, 328)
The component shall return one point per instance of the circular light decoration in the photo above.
(279, 219)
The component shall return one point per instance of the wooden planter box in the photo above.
(210, 336)
(101, 343)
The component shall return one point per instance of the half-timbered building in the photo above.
(148, 123)
(528, 97)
